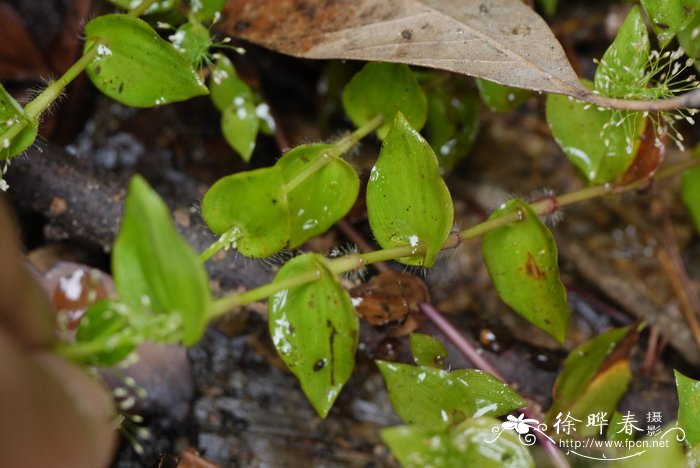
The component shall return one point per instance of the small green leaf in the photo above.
(501, 98)
(599, 147)
(670, 17)
(135, 66)
(689, 407)
(251, 207)
(688, 38)
(408, 203)
(312, 173)
(234, 98)
(385, 89)
(104, 321)
(154, 269)
(206, 10)
(453, 123)
(470, 443)
(434, 398)
(690, 193)
(427, 351)
(595, 376)
(157, 7)
(193, 41)
(12, 114)
(623, 66)
(314, 329)
(240, 125)
(522, 261)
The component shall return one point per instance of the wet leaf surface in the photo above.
(523, 264)
(399, 213)
(135, 66)
(464, 444)
(315, 331)
(427, 351)
(689, 407)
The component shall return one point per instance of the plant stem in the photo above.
(690, 100)
(54, 90)
(359, 260)
(141, 9)
(339, 148)
(39, 104)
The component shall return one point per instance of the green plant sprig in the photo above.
(337, 149)
(355, 261)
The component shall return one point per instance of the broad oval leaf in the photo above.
(315, 330)
(154, 268)
(471, 443)
(689, 407)
(11, 115)
(408, 203)
(320, 188)
(595, 376)
(251, 207)
(427, 351)
(435, 398)
(501, 98)
(622, 69)
(135, 66)
(385, 89)
(690, 192)
(522, 262)
(601, 143)
(505, 41)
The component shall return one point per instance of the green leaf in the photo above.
(154, 269)
(11, 115)
(321, 188)
(501, 98)
(595, 376)
(251, 208)
(689, 407)
(690, 193)
(670, 17)
(314, 329)
(622, 70)
(453, 124)
(234, 98)
(408, 203)
(434, 398)
(193, 41)
(206, 10)
(522, 261)
(590, 137)
(106, 320)
(157, 7)
(427, 351)
(468, 444)
(135, 66)
(385, 89)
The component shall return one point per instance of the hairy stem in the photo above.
(359, 260)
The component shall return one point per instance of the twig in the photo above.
(466, 348)
(690, 100)
(686, 309)
(651, 352)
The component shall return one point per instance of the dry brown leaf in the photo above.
(500, 40)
